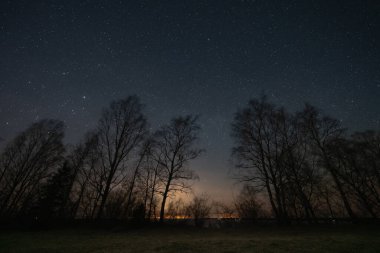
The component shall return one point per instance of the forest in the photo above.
(292, 166)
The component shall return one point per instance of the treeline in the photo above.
(305, 164)
(293, 166)
(119, 170)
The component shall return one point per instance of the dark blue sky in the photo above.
(68, 59)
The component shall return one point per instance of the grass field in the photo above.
(264, 239)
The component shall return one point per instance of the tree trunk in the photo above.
(165, 195)
(343, 195)
(104, 198)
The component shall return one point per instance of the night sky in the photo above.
(68, 59)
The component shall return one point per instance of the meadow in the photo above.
(190, 239)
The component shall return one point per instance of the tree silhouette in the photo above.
(199, 209)
(176, 142)
(247, 204)
(324, 132)
(121, 129)
(305, 162)
(259, 151)
(27, 162)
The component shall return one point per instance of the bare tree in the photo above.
(154, 174)
(27, 161)
(259, 151)
(175, 142)
(148, 176)
(272, 152)
(142, 155)
(224, 210)
(247, 203)
(324, 132)
(299, 165)
(122, 128)
(199, 209)
(176, 209)
(355, 171)
(81, 159)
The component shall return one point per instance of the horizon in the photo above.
(69, 60)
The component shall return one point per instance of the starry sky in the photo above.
(68, 59)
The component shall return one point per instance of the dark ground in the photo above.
(345, 238)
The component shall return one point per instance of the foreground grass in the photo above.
(267, 239)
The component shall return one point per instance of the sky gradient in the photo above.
(69, 59)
